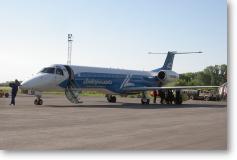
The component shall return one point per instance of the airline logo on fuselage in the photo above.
(96, 82)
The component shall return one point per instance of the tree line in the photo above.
(5, 84)
(212, 75)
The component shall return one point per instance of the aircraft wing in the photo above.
(134, 89)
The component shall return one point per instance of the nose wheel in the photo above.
(145, 99)
(38, 101)
(111, 99)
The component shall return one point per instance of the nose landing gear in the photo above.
(145, 99)
(111, 99)
(38, 100)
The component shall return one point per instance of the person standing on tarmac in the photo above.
(14, 87)
(155, 96)
(162, 96)
(170, 96)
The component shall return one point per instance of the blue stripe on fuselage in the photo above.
(110, 82)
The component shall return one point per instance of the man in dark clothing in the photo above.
(162, 96)
(14, 87)
(170, 97)
(154, 95)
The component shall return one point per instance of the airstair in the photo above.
(72, 91)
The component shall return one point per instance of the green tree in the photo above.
(211, 75)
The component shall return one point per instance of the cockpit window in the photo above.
(59, 71)
(48, 70)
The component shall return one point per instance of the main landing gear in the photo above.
(38, 100)
(144, 99)
(170, 98)
(111, 98)
(177, 99)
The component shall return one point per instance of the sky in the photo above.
(110, 33)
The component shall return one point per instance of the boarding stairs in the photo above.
(72, 94)
(72, 91)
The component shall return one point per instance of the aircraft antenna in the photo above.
(69, 49)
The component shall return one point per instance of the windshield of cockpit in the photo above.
(48, 70)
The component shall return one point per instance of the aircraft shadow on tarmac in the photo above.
(140, 106)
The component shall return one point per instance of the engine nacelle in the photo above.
(167, 76)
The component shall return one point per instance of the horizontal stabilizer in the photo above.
(168, 64)
(175, 52)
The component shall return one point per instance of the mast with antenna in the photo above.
(69, 49)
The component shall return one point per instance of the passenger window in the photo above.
(59, 71)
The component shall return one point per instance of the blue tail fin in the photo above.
(168, 61)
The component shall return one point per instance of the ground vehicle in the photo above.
(210, 96)
(203, 95)
(2, 94)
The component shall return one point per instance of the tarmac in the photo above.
(99, 125)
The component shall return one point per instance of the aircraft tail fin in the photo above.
(168, 64)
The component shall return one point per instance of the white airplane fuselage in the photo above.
(72, 79)
(108, 80)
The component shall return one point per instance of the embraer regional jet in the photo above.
(73, 79)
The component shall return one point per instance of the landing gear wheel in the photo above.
(111, 99)
(38, 101)
(145, 101)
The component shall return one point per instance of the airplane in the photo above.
(73, 79)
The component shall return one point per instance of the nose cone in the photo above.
(33, 83)
(40, 82)
(28, 84)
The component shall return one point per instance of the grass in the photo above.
(92, 94)
(83, 93)
(52, 92)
